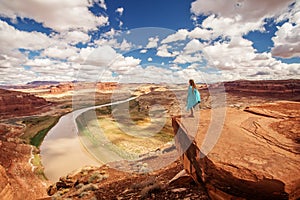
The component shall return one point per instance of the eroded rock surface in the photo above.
(6, 191)
(17, 177)
(14, 104)
(253, 158)
(68, 86)
(271, 87)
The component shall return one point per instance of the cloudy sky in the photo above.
(149, 40)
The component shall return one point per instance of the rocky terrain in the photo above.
(108, 183)
(17, 177)
(61, 88)
(13, 103)
(20, 171)
(256, 156)
(66, 87)
(265, 88)
(248, 165)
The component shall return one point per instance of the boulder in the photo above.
(182, 178)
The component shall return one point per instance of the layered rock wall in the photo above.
(18, 179)
(66, 87)
(279, 87)
(14, 104)
(251, 159)
(61, 88)
(106, 86)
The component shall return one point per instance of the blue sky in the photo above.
(171, 14)
(143, 40)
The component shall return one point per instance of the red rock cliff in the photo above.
(252, 158)
(14, 104)
(65, 87)
(279, 87)
(6, 191)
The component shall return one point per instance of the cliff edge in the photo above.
(255, 157)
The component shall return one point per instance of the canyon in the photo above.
(258, 146)
(15, 103)
(65, 87)
(267, 87)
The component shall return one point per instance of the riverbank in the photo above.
(126, 130)
(63, 151)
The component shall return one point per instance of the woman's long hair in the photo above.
(192, 83)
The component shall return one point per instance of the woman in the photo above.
(193, 97)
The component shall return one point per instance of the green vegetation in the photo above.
(97, 177)
(37, 128)
(39, 171)
(38, 138)
(35, 131)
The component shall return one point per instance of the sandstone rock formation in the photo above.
(17, 177)
(270, 87)
(103, 86)
(6, 191)
(14, 104)
(61, 88)
(108, 183)
(66, 87)
(252, 159)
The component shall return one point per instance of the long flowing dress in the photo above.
(193, 98)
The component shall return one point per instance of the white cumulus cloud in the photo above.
(193, 46)
(60, 52)
(120, 10)
(57, 15)
(181, 34)
(245, 10)
(11, 38)
(200, 33)
(152, 42)
(287, 38)
(163, 51)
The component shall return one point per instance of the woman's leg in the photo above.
(192, 112)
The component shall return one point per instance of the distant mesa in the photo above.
(65, 87)
(39, 83)
(263, 87)
(61, 88)
(29, 85)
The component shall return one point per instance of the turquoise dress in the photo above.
(193, 98)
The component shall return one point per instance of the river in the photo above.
(62, 150)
